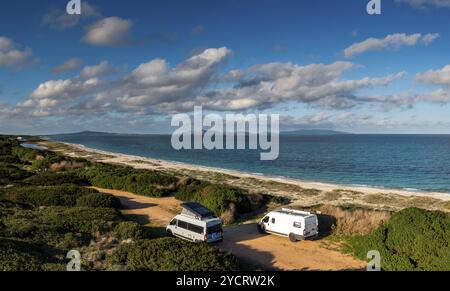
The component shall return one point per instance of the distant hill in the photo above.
(314, 132)
(295, 132)
(85, 133)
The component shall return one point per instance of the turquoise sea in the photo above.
(412, 162)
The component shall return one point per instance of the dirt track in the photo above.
(270, 252)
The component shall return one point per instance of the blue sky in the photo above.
(288, 57)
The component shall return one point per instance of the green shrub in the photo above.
(128, 230)
(413, 239)
(81, 219)
(10, 173)
(64, 195)
(98, 200)
(170, 254)
(24, 154)
(50, 178)
(142, 182)
(217, 198)
(17, 256)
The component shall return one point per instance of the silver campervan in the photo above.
(196, 224)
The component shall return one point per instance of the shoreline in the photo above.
(157, 164)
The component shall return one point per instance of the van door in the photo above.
(272, 224)
(182, 229)
(311, 226)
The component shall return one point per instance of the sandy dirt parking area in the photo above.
(268, 251)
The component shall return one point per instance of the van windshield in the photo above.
(214, 229)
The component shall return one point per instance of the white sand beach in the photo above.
(293, 188)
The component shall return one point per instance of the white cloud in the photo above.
(68, 66)
(111, 31)
(102, 69)
(390, 42)
(437, 77)
(424, 3)
(157, 88)
(60, 20)
(11, 55)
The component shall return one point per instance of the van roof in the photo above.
(293, 212)
(197, 211)
(207, 222)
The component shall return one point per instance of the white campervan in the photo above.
(295, 224)
(197, 224)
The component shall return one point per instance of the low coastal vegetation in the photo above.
(142, 182)
(159, 255)
(48, 208)
(412, 240)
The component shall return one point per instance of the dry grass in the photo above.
(400, 202)
(354, 221)
(229, 216)
(66, 166)
(446, 205)
(332, 196)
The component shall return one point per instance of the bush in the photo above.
(142, 182)
(17, 256)
(64, 195)
(55, 179)
(170, 254)
(217, 198)
(128, 230)
(10, 174)
(98, 200)
(413, 239)
(82, 219)
(24, 154)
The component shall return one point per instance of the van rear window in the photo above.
(214, 229)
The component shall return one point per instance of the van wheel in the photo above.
(261, 229)
(169, 233)
(293, 237)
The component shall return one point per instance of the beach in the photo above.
(302, 193)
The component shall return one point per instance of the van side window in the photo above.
(297, 224)
(266, 219)
(273, 220)
(173, 222)
(195, 228)
(182, 224)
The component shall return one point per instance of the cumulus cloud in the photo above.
(390, 42)
(142, 91)
(102, 69)
(156, 87)
(60, 20)
(436, 77)
(424, 3)
(56, 96)
(110, 31)
(12, 55)
(68, 66)
(319, 85)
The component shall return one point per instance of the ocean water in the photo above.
(413, 162)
